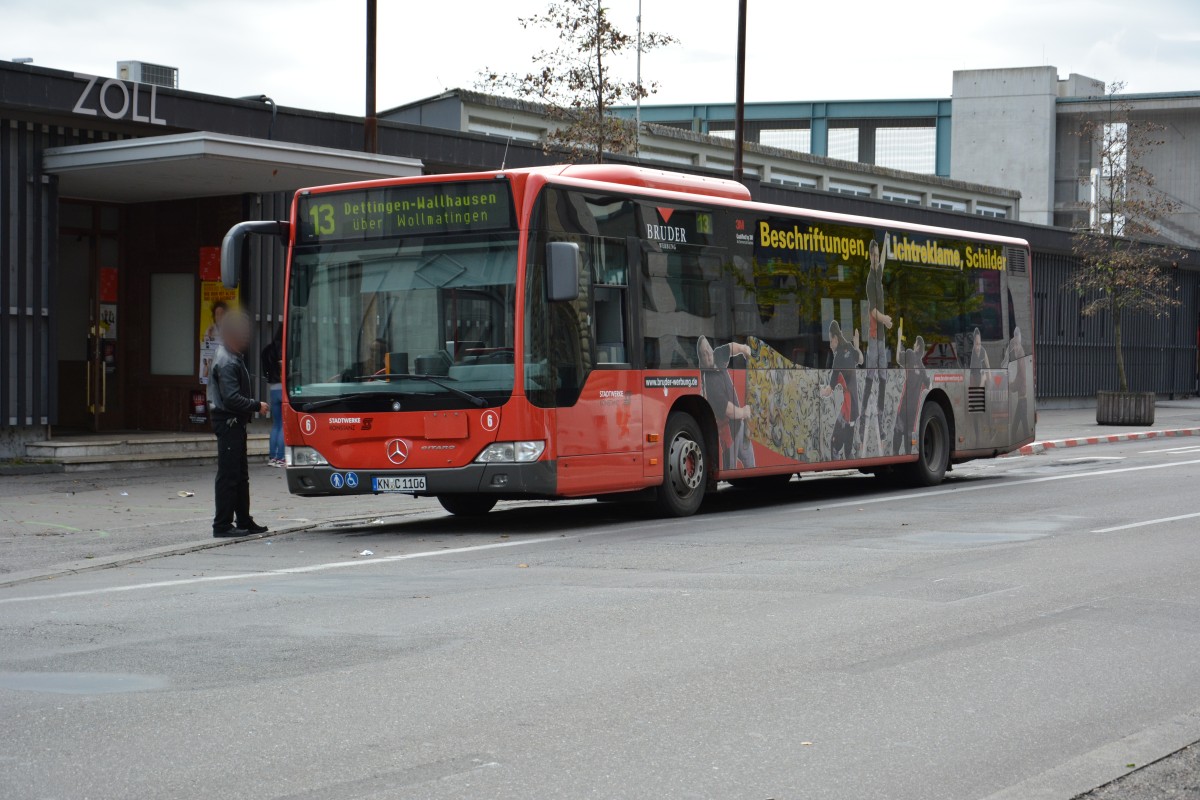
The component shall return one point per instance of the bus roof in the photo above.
(595, 177)
(677, 186)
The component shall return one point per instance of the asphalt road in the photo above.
(1025, 631)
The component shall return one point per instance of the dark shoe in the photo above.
(251, 527)
(226, 531)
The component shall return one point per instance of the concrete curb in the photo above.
(94, 564)
(1040, 447)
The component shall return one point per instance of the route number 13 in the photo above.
(322, 219)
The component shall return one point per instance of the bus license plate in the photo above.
(408, 483)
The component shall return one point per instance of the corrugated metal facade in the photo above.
(28, 253)
(267, 268)
(1076, 355)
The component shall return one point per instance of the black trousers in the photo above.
(233, 475)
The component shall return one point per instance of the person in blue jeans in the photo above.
(272, 364)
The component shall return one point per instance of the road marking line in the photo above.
(284, 571)
(1188, 449)
(50, 525)
(994, 485)
(1092, 458)
(1147, 522)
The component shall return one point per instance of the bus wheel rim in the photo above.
(687, 465)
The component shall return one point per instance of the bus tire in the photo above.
(685, 467)
(467, 505)
(933, 448)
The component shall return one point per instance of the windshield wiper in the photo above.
(478, 402)
(342, 398)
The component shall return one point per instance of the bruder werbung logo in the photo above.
(667, 235)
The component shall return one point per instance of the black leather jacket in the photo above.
(229, 388)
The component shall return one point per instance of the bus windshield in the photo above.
(419, 323)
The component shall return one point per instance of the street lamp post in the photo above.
(371, 121)
(739, 118)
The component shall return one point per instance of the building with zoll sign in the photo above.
(115, 194)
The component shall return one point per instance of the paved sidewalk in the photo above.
(1076, 427)
(67, 522)
(57, 523)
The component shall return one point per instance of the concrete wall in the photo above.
(1175, 165)
(1004, 134)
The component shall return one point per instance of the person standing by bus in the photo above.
(272, 365)
(878, 324)
(232, 407)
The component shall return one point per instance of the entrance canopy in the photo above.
(204, 164)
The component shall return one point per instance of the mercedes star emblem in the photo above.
(397, 451)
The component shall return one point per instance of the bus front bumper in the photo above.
(500, 480)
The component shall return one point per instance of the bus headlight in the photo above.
(511, 453)
(304, 457)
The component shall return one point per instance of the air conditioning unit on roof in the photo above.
(141, 72)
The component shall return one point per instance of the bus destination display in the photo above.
(405, 211)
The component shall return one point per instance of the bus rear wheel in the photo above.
(933, 448)
(467, 505)
(685, 468)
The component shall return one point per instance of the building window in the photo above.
(909, 149)
(798, 139)
(727, 166)
(948, 204)
(897, 196)
(792, 179)
(991, 211)
(838, 187)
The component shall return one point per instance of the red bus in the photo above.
(592, 331)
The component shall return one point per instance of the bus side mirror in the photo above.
(232, 250)
(562, 271)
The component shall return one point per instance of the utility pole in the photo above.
(739, 118)
(371, 121)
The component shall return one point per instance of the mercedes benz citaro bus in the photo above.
(589, 331)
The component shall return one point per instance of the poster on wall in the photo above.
(214, 298)
(108, 320)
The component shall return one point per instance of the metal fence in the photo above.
(1076, 355)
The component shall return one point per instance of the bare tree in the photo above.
(574, 80)
(1122, 269)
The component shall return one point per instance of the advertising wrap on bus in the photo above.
(423, 209)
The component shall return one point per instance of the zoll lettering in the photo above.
(117, 99)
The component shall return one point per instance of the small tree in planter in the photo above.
(1120, 271)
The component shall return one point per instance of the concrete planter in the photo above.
(1125, 408)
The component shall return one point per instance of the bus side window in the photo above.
(610, 309)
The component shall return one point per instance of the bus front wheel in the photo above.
(933, 448)
(685, 468)
(467, 505)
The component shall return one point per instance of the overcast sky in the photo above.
(309, 53)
